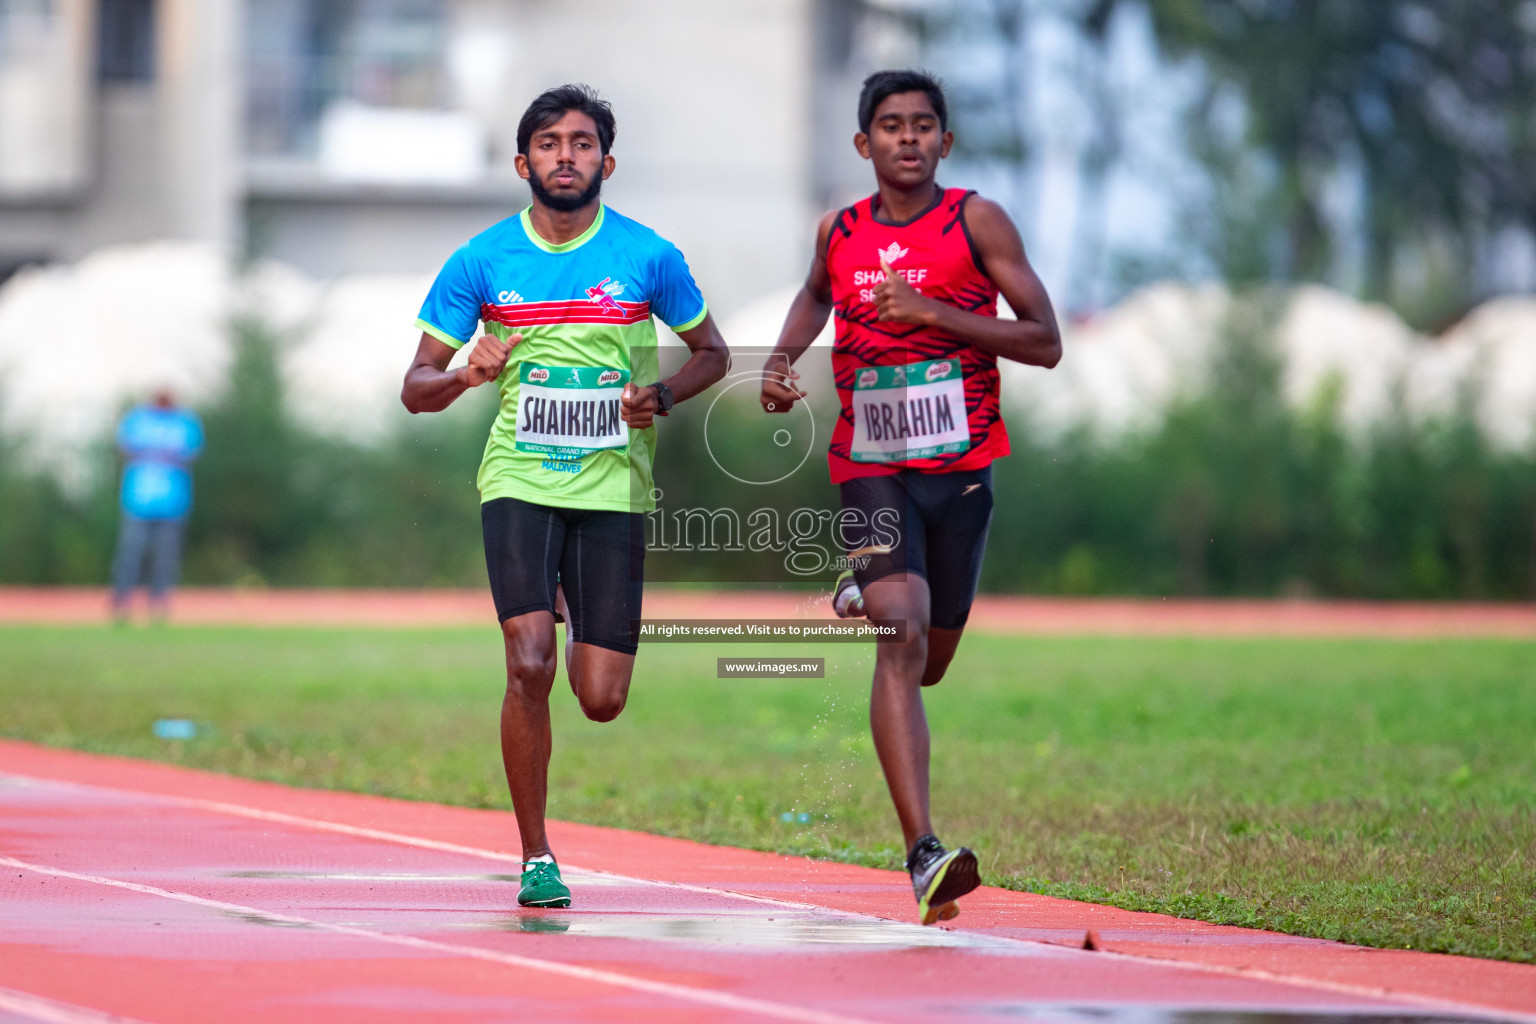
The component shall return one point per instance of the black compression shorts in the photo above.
(597, 556)
(931, 524)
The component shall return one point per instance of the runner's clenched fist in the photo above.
(781, 389)
(895, 299)
(637, 406)
(487, 359)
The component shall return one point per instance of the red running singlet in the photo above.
(912, 397)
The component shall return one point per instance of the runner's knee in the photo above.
(915, 631)
(602, 707)
(530, 668)
(910, 653)
(942, 644)
(935, 667)
(600, 676)
(601, 697)
(599, 693)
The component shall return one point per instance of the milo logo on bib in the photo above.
(570, 411)
(906, 412)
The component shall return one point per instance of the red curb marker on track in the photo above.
(992, 613)
(167, 895)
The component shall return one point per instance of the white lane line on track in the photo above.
(51, 1011)
(362, 832)
(721, 1000)
(1247, 973)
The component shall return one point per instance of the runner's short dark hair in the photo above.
(882, 84)
(553, 104)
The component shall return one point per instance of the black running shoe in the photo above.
(939, 877)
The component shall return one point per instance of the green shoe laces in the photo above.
(538, 872)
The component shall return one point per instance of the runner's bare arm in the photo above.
(1033, 338)
(429, 387)
(807, 316)
(707, 363)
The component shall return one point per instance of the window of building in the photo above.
(125, 48)
(44, 99)
(307, 57)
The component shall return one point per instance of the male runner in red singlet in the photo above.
(913, 273)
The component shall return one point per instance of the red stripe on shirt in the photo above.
(579, 311)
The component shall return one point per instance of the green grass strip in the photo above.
(1378, 792)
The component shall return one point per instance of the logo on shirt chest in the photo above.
(605, 293)
(867, 280)
(508, 296)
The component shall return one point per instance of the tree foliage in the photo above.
(1431, 103)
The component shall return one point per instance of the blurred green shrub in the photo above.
(1232, 493)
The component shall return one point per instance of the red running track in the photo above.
(140, 891)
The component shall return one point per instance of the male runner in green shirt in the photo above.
(566, 290)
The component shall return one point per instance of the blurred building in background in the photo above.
(1293, 246)
(119, 125)
(362, 136)
(372, 136)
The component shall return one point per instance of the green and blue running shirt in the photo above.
(584, 310)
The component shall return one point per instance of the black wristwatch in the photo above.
(664, 399)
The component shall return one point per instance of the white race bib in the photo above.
(570, 411)
(909, 412)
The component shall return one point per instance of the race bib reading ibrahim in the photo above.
(911, 411)
(584, 309)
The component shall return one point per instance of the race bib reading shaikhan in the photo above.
(906, 412)
(570, 411)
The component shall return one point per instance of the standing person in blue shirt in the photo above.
(158, 441)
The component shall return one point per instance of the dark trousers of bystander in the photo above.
(161, 540)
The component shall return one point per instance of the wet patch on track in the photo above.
(782, 931)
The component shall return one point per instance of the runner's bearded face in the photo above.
(566, 166)
(905, 141)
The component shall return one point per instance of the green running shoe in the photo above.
(939, 877)
(542, 886)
